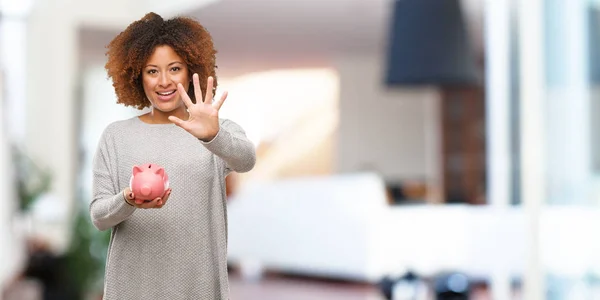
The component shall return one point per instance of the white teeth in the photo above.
(165, 94)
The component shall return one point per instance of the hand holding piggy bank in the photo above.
(148, 182)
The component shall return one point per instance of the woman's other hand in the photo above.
(139, 203)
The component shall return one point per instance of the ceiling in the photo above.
(263, 34)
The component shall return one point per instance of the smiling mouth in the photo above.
(166, 93)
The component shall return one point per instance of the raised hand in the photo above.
(203, 121)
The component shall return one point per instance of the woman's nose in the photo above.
(164, 80)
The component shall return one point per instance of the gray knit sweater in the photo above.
(180, 250)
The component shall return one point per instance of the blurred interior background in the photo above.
(407, 149)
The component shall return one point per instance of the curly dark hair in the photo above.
(129, 51)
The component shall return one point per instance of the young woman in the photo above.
(158, 250)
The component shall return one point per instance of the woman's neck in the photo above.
(156, 116)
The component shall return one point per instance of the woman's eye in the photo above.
(175, 69)
(152, 71)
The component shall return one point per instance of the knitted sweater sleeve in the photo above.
(108, 207)
(233, 147)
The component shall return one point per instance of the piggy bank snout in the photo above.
(146, 190)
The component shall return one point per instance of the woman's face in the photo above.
(160, 76)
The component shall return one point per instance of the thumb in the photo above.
(179, 122)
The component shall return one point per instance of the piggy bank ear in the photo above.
(136, 169)
(160, 172)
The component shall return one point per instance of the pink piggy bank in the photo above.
(148, 181)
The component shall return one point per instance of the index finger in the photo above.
(164, 199)
(184, 96)
(197, 88)
(209, 90)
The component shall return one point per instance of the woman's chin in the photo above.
(166, 107)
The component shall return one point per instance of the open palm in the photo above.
(203, 122)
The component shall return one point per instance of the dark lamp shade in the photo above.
(428, 45)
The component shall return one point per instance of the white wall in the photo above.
(50, 117)
(394, 131)
(10, 257)
(99, 108)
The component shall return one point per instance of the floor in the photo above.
(278, 287)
